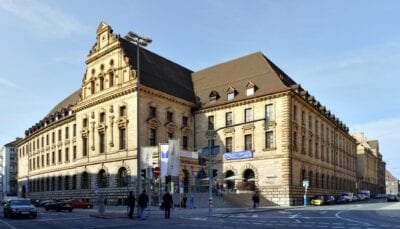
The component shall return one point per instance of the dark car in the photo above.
(341, 199)
(58, 205)
(80, 203)
(19, 207)
(329, 199)
(392, 197)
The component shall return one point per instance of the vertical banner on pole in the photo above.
(173, 158)
(164, 160)
(147, 157)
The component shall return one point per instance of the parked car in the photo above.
(361, 196)
(19, 207)
(317, 200)
(58, 205)
(76, 203)
(392, 197)
(348, 195)
(34, 202)
(328, 199)
(341, 199)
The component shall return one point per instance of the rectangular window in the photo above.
(38, 162)
(152, 112)
(53, 138)
(294, 113)
(294, 141)
(303, 143)
(74, 152)
(84, 147)
(248, 144)
(42, 141)
(316, 150)
(316, 126)
(228, 144)
(33, 145)
(59, 135)
(102, 143)
(42, 160)
(122, 138)
(85, 122)
(47, 159)
(269, 140)
(170, 135)
(210, 122)
(310, 122)
(184, 121)
(185, 142)
(250, 91)
(248, 115)
(30, 164)
(122, 111)
(34, 163)
(269, 112)
(102, 117)
(59, 156)
(310, 152)
(74, 130)
(231, 96)
(66, 132)
(303, 118)
(228, 119)
(53, 157)
(169, 116)
(153, 140)
(66, 154)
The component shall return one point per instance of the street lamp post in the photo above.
(139, 41)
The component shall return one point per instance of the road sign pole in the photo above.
(209, 177)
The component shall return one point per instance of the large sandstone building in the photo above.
(273, 133)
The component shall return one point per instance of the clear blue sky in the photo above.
(346, 53)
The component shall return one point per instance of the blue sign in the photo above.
(238, 155)
(214, 150)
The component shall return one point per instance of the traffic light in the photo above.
(143, 173)
(215, 172)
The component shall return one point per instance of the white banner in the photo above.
(147, 157)
(164, 160)
(189, 154)
(173, 158)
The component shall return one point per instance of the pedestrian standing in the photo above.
(191, 201)
(256, 200)
(168, 203)
(131, 204)
(143, 200)
(184, 200)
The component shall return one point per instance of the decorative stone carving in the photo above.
(85, 132)
(171, 127)
(153, 123)
(122, 122)
(111, 118)
(102, 127)
(229, 130)
(248, 127)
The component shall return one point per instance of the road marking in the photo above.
(298, 221)
(7, 224)
(337, 215)
(294, 216)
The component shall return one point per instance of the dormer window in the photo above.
(213, 96)
(250, 88)
(231, 96)
(231, 92)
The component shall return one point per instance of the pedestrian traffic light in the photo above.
(143, 173)
(215, 172)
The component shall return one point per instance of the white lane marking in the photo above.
(7, 224)
(294, 216)
(337, 215)
(298, 221)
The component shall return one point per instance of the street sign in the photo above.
(306, 183)
(214, 150)
(157, 172)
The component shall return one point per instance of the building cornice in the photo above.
(165, 96)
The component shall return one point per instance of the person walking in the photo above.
(184, 200)
(256, 200)
(131, 204)
(143, 200)
(191, 201)
(168, 203)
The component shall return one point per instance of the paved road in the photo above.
(372, 214)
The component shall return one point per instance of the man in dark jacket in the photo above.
(143, 200)
(168, 203)
(131, 204)
(256, 200)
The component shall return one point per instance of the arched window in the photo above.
(122, 178)
(328, 183)
(66, 182)
(59, 183)
(317, 180)
(53, 184)
(111, 79)
(102, 180)
(92, 85)
(85, 181)
(47, 184)
(74, 182)
(322, 181)
(101, 83)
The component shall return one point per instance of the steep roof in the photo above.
(161, 74)
(238, 73)
(67, 102)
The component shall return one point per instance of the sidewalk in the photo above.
(155, 212)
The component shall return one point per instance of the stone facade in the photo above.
(370, 166)
(272, 134)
